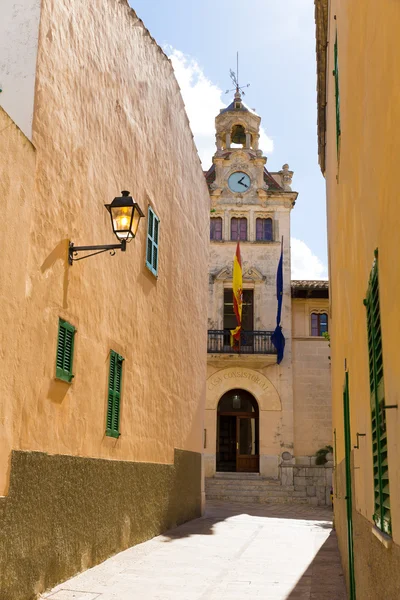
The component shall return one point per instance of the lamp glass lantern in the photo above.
(125, 216)
(236, 402)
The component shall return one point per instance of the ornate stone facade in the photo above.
(250, 202)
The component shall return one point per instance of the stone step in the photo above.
(250, 488)
(268, 494)
(232, 475)
(258, 499)
(265, 482)
(236, 485)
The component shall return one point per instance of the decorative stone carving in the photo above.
(262, 193)
(287, 177)
(253, 274)
(249, 274)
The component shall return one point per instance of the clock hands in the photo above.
(238, 178)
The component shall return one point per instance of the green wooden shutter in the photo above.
(382, 516)
(152, 241)
(114, 394)
(337, 95)
(349, 492)
(65, 351)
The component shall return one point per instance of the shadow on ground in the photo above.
(218, 512)
(323, 580)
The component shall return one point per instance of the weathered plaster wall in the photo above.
(17, 168)
(109, 116)
(58, 520)
(19, 34)
(363, 214)
(312, 399)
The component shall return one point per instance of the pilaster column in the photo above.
(228, 140)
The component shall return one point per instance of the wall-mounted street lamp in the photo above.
(236, 402)
(125, 216)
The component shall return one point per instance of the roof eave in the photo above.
(321, 23)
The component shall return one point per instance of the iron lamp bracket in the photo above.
(73, 250)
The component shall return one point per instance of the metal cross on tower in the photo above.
(235, 78)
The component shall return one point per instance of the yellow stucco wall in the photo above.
(364, 214)
(17, 167)
(108, 116)
(311, 380)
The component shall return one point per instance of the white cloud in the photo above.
(203, 100)
(305, 264)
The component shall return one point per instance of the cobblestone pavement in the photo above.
(235, 552)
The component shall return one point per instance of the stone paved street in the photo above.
(273, 552)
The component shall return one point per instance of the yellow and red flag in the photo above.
(237, 295)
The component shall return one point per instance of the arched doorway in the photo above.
(238, 432)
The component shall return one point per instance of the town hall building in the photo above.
(265, 422)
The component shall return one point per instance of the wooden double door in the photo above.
(238, 442)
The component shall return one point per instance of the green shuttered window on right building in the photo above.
(114, 394)
(152, 241)
(337, 95)
(382, 516)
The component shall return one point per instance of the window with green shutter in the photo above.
(382, 515)
(65, 351)
(152, 241)
(114, 394)
(337, 95)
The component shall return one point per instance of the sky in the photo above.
(276, 45)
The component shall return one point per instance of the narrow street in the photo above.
(273, 552)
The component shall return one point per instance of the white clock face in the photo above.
(239, 182)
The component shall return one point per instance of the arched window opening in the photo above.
(239, 229)
(216, 229)
(319, 324)
(238, 400)
(264, 230)
(238, 135)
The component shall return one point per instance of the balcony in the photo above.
(255, 347)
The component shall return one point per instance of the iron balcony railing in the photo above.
(251, 342)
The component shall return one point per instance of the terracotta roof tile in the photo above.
(310, 284)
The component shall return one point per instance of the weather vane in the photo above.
(235, 78)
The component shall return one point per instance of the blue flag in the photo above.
(277, 338)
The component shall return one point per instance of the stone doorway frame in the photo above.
(270, 413)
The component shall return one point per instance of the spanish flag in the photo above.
(237, 296)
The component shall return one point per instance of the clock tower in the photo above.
(264, 422)
(250, 205)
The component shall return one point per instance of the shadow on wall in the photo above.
(58, 390)
(60, 252)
